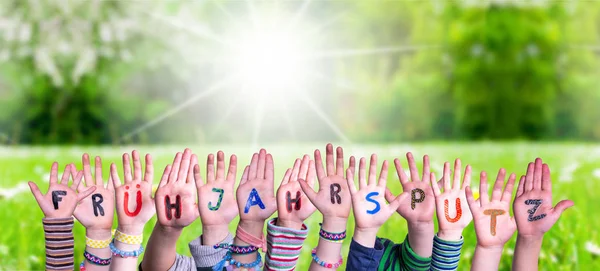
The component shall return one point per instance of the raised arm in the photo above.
(176, 208)
(333, 201)
(453, 216)
(534, 214)
(287, 232)
(58, 205)
(135, 206)
(96, 214)
(493, 224)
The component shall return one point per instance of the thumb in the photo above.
(398, 200)
(35, 190)
(562, 206)
(310, 193)
(84, 194)
(389, 197)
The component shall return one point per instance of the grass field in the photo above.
(572, 244)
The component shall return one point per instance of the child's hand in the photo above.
(533, 204)
(293, 206)
(493, 224)
(255, 197)
(368, 203)
(333, 199)
(419, 205)
(216, 202)
(176, 197)
(135, 205)
(453, 213)
(60, 200)
(95, 212)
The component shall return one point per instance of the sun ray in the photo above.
(228, 111)
(286, 116)
(325, 118)
(298, 15)
(371, 51)
(191, 100)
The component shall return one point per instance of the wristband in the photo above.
(96, 260)
(324, 264)
(125, 254)
(252, 240)
(82, 266)
(336, 237)
(255, 265)
(128, 239)
(97, 243)
(242, 249)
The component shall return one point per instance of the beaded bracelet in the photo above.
(332, 236)
(96, 260)
(97, 243)
(82, 266)
(128, 239)
(125, 254)
(246, 266)
(324, 264)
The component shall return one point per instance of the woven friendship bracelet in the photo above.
(252, 240)
(96, 260)
(125, 254)
(332, 236)
(129, 239)
(242, 249)
(324, 264)
(97, 243)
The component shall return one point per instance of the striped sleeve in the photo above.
(446, 254)
(283, 246)
(59, 243)
(401, 257)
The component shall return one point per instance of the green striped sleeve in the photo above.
(401, 257)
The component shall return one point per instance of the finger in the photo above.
(529, 177)
(412, 166)
(383, 174)
(80, 187)
(562, 206)
(521, 185)
(425, 168)
(389, 197)
(87, 171)
(339, 164)
(308, 191)
(184, 167)
(37, 194)
(400, 172)
(537, 174)
(352, 165)
(395, 204)
(114, 175)
(446, 177)
(483, 189)
(434, 185)
(210, 168)
(232, 172)
(85, 193)
(319, 165)
(110, 185)
(508, 190)
(286, 177)
(310, 176)
(98, 171)
(546, 181)
(54, 173)
(165, 176)
(467, 177)
(245, 175)
(137, 165)
(149, 174)
(372, 170)
(304, 167)
(362, 178)
(497, 190)
(198, 177)
(126, 168)
(220, 165)
(295, 170)
(253, 167)
(329, 160)
(77, 176)
(350, 180)
(270, 170)
(175, 168)
(457, 174)
(473, 205)
(262, 163)
(190, 174)
(66, 174)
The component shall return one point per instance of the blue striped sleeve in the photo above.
(445, 254)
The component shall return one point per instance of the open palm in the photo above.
(290, 188)
(216, 200)
(533, 205)
(255, 198)
(104, 196)
(453, 212)
(493, 224)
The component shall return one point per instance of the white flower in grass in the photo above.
(592, 248)
(509, 251)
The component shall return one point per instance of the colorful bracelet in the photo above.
(324, 264)
(82, 266)
(242, 249)
(97, 243)
(128, 239)
(332, 236)
(246, 266)
(125, 254)
(96, 260)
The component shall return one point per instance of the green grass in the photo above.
(575, 171)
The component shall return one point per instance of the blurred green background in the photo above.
(479, 80)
